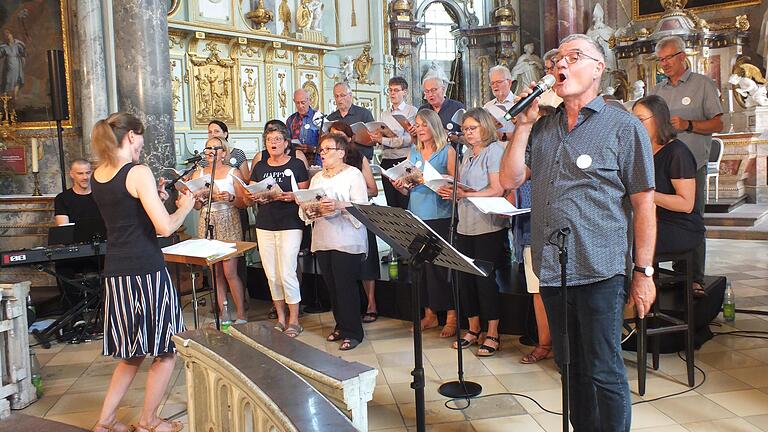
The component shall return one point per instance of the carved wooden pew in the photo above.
(232, 387)
(349, 385)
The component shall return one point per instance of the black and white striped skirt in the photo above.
(141, 313)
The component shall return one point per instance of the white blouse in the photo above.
(342, 231)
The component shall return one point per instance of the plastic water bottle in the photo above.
(729, 304)
(226, 317)
(393, 269)
(37, 378)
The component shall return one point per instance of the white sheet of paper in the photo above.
(496, 205)
(201, 248)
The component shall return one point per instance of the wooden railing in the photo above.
(233, 388)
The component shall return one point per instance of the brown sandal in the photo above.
(175, 424)
(545, 352)
(112, 427)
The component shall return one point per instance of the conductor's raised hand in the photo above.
(531, 113)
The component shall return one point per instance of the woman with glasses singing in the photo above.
(224, 218)
(480, 236)
(431, 147)
(679, 226)
(278, 227)
(338, 239)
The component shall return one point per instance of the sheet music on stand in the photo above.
(398, 227)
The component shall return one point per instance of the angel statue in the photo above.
(753, 94)
(363, 64)
(347, 68)
(435, 70)
(309, 14)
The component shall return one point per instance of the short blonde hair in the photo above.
(435, 126)
(487, 124)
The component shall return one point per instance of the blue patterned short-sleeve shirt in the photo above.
(582, 180)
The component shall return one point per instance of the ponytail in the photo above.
(107, 135)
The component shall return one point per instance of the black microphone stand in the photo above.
(562, 254)
(209, 236)
(186, 172)
(457, 389)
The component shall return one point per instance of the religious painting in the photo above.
(29, 28)
(653, 9)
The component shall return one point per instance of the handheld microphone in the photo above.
(194, 159)
(543, 85)
(215, 148)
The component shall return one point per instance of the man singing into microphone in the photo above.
(591, 170)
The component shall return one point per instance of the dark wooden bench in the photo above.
(231, 386)
(349, 385)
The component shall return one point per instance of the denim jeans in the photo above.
(599, 392)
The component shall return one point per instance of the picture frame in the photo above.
(652, 9)
(29, 28)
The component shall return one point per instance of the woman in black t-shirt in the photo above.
(278, 227)
(680, 227)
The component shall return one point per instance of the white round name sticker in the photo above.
(686, 100)
(418, 164)
(232, 161)
(584, 161)
(306, 126)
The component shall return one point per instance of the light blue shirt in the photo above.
(474, 173)
(424, 202)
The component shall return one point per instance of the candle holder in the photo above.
(36, 192)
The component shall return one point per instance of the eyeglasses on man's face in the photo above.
(275, 140)
(669, 57)
(432, 90)
(572, 57)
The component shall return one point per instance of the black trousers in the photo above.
(671, 239)
(480, 295)
(341, 271)
(434, 279)
(394, 197)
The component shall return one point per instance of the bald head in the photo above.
(301, 100)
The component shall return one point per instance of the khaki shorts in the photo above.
(530, 278)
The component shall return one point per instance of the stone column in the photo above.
(93, 78)
(144, 76)
(559, 21)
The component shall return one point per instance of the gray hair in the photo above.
(670, 40)
(301, 92)
(582, 37)
(549, 54)
(500, 68)
(439, 80)
(343, 84)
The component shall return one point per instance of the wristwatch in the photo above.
(690, 126)
(646, 271)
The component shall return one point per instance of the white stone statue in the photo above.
(316, 7)
(601, 34)
(637, 90)
(347, 68)
(609, 91)
(762, 44)
(435, 70)
(753, 94)
(529, 67)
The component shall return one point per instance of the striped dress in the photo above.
(141, 306)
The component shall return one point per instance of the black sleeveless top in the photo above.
(132, 248)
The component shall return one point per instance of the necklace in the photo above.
(331, 172)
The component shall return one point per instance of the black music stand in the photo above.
(416, 241)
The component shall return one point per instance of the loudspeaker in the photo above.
(58, 79)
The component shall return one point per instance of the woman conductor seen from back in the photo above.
(141, 306)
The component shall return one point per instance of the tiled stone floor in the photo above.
(733, 398)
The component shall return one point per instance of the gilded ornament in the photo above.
(249, 93)
(260, 16)
(401, 10)
(212, 85)
(311, 88)
(742, 22)
(504, 15)
(363, 64)
(282, 95)
(284, 12)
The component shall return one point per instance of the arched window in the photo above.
(439, 43)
